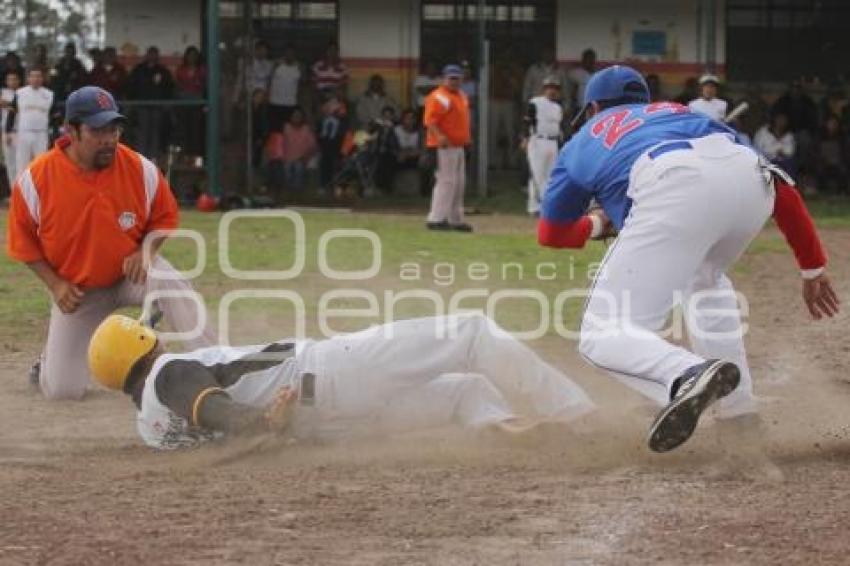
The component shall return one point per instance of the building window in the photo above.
(517, 32)
(770, 40)
(282, 10)
(468, 11)
(317, 11)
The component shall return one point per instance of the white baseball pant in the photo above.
(542, 153)
(29, 145)
(431, 372)
(694, 213)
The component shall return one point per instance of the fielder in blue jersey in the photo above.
(687, 197)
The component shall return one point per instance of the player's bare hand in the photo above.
(280, 410)
(608, 229)
(135, 269)
(67, 296)
(600, 213)
(820, 297)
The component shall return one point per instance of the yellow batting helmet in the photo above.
(117, 344)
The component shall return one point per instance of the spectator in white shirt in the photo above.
(33, 105)
(708, 103)
(259, 69)
(283, 88)
(777, 143)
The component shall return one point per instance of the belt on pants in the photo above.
(668, 147)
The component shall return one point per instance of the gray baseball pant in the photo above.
(447, 199)
(64, 368)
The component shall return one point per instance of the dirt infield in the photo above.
(79, 488)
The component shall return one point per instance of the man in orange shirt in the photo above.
(78, 217)
(446, 120)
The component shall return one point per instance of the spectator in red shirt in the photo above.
(190, 80)
(109, 74)
(296, 146)
(329, 73)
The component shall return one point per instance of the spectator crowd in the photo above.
(807, 137)
(27, 127)
(306, 117)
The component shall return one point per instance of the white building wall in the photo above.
(379, 29)
(380, 36)
(172, 25)
(607, 27)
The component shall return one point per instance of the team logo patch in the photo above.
(103, 101)
(127, 220)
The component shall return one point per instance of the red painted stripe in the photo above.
(382, 62)
(654, 67)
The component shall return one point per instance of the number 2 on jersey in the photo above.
(614, 126)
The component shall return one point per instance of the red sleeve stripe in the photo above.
(564, 234)
(796, 224)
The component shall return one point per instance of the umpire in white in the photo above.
(543, 118)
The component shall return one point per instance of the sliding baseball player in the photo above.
(414, 373)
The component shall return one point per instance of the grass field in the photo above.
(502, 255)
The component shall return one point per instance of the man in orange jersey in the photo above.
(446, 120)
(79, 216)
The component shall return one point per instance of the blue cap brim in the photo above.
(101, 119)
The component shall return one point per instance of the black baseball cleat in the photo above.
(698, 388)
(441, 226)
(462, 227)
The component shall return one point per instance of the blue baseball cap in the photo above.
(614, 83)
(452, 71)
(92, 106)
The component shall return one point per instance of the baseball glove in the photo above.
(278, 413)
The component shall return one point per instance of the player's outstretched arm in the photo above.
(796, 224)
(190, 390)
